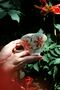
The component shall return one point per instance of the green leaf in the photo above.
(45, 58)
(47, 47)
(58, 88)
(15, 15)
(35, 66)
(53, 54)
(2, 13)
(50, 73)
(46, 67)
(58, 46)
(55, 71)
(57, 61)
(50, 57)
(57, 51)
(57, 26)
(52, 46)
(30, 66)
(51, 63)
(6, 4)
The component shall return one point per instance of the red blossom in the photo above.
(43, 9)
(56, 9)
(46, 9)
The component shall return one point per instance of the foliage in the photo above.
(51, 51)
(8, 7)
(50, 63)
(48, 10)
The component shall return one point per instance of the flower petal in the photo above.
(56, 9)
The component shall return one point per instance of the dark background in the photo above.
(30, 22)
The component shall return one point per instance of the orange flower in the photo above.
(56, 9)
(46, 9)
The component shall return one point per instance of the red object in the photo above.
(46, 9)
(28, 82)
(56, 9)
(8, 82)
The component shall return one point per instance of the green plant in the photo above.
(8, 7)
(49, 13)
(50, 63)
(51, 51)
